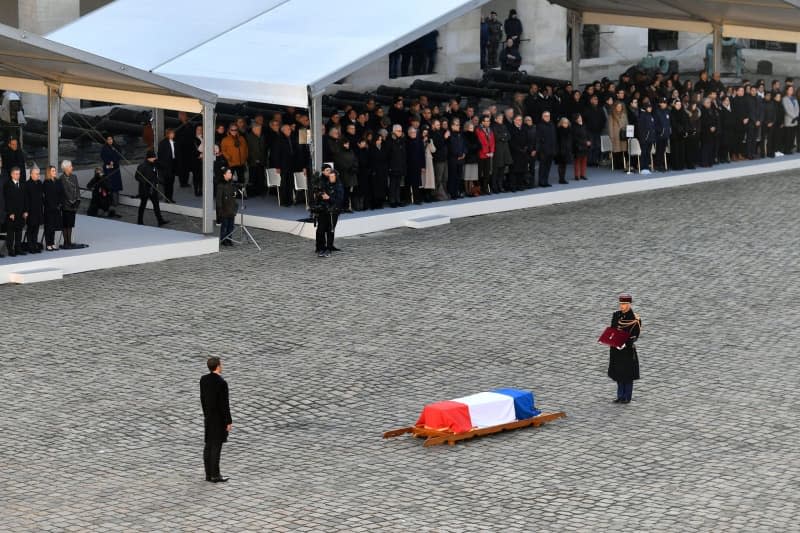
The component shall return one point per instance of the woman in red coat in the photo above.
(486, 153)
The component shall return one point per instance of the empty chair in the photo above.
(634, 150)
(605, 147)
(274, 180)
(300, 184)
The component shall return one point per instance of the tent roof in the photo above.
(272, 51)
(29, 62)
(777, 20)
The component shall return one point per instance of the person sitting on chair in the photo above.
(102, 196)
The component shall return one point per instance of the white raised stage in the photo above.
(264, 212)
(111, 244)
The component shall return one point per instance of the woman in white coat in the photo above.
(790, 119)
(428, 179)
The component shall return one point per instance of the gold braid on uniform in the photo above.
(625, 324)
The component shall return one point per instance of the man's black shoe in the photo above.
(209, 478)
(21, 252)
(335, 249)
(618, 400)
(219, 479)
(162, 223)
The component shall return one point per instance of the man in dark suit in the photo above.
(167, 161)
(148, 176)
(546, 147)
(14, 198)
(282, 158)
(217, 414)
(34, 206)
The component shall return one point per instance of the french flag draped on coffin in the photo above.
(481, 410)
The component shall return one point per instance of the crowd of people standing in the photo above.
(420, 151)
(29, 201)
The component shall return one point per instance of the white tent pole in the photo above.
(158, 126)
(53, 122)
(576, 25)
(208, 168)
(717, 61)
(316, 131)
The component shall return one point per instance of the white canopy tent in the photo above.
(270, 51)
(284, 52)
(32, 64)
(769, 20)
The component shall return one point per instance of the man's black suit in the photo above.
(217, 414)
(167, 162)
(34, 206)
(14, 199)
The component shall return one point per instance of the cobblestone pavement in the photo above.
(102, 429)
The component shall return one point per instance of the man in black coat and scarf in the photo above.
(520, 151)
(217, 418)
(14, 207)
(282, 158)
(147, 174)
(623, 362)
(34, 206)
(546, 148)
(397, 163)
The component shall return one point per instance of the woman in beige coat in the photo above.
(618, 123)
(428, 179)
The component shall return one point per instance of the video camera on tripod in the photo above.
(318, 186)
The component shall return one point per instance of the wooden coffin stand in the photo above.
(434, 437)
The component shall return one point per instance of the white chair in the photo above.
(605, 148)
(635, 150)
(300, 184)
(274, 180)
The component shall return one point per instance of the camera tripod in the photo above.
(244, 233)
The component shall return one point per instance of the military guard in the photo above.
(623, 362)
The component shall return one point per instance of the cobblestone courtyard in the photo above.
(102, 428)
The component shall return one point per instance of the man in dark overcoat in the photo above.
(623, 363)
(14, 204)
(546, 147)
(520, 150)
(217, 416)
(148, 174)
(34, 206)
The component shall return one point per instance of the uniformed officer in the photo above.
(623, 363)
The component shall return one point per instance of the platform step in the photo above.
(427, 221)
(35, 276)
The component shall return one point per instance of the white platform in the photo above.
(35, 275)
(265, 213)
(111, 244)
(429, 221)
